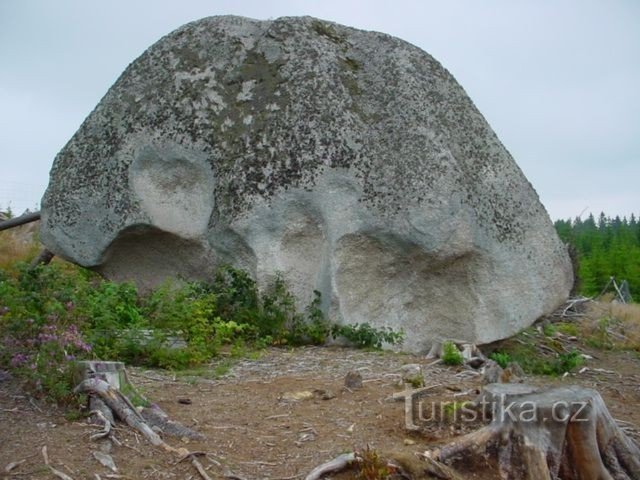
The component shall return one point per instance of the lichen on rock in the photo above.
(350, 161)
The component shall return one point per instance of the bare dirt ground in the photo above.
(255, 431)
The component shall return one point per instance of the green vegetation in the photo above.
(524, 349)
(450, 354)
(567, 328)
(365, 336)
(370, 466)
(501, 358)
(605, 247)
(54, 314)
(451, 410)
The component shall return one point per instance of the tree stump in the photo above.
(564, 432)
(111, 372)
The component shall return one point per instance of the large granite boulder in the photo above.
(350, 161)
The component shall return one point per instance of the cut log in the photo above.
(565, 432)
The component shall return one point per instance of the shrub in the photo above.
(501, 358)
(365, 336)
(370, 466)
(56, 313)
(567, 362)
(450, 354)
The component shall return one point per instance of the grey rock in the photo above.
(412, 374)
(514, 373)
(350, 161)
(492, 372)
(353, 380)
(476, 362)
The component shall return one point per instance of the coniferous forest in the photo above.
(605, 247)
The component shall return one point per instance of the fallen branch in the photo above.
(43, 258)
(13, 465)
(21, 220)
(57, 473)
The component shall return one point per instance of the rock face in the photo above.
(350, 161)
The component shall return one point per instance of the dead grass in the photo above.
(19, 244)
(612, 326)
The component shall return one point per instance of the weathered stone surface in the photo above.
(351, 161)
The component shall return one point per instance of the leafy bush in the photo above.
(501, 358)
(365, 336)
(54, 314)
(450, 354)
(567, 362)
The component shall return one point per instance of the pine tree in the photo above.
(606, 247)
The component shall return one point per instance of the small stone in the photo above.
(408, 441)
(513, 373)
(353, 380)
(476, 362)
(492, 372)
(412, 374)
(324, 394)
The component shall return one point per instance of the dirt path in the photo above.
(255, 431)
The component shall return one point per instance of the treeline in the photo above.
(605, 247)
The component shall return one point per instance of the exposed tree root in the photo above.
(109, 401)
(155, 417)
(123, 409)
(338, 464)
(126, 412)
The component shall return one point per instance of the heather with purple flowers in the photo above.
(44, 357)
(39, 329)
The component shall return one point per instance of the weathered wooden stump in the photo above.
(565, 433)
(111, 372)
(113, 395)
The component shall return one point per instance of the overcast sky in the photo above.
(559, 81)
